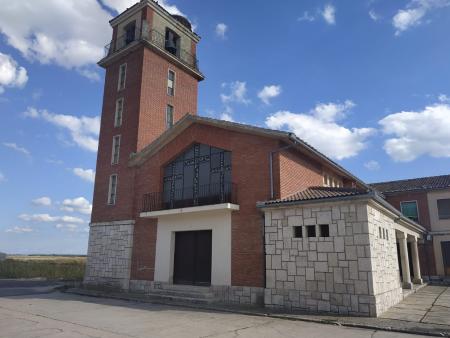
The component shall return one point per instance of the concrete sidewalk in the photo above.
(426, 312)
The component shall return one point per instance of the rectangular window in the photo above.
(387, 234)
(384, 233)
(298, 232)
(324, 230)
(311, 231)
(169, 116)
(379, 232)
(118, 113)
(171, 83)
(112, 189)
(115, 150)
(444, 208)
(122, 76)
(409, 209)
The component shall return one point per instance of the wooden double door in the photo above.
(192, 257)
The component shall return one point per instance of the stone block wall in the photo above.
(109, 255)
(385, 270)
(331, 274)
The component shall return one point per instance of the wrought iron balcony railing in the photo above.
(154, 37)
(190, 197)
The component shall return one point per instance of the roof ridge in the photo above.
(410, 179)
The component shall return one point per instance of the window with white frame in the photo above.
(169, 116)
(115, 150)
(119, 112)
(171, 83)
(112, 191)
(122, 76)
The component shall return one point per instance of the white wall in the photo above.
(219, 221)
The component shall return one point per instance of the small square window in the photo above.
(298, 232)
(410, 210)
(311, 230)
(324, 230)
(443, 208)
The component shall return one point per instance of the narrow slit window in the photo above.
(169, 116)
(171, 83)
(119, 112)
(112, 192)
(379, 232)
(115, 150)
(311, 230)
(122, 76)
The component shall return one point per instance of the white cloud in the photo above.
(269, 92)
(221, 30)
(413, 14)
(11, 74)
(15, 147)
(69, 33)
(417, 133)
(79, 204)
(85, 174)
(84, 130)
(443, 98)
(306, 17)
(320, 129)
(238, 92)
(226, 117)
(2, 177)
(42, 201)
(121, 5)
(67, 226)
(19, 230)
(373, 15)
(329, 14)
(46, 218)
(372, 165)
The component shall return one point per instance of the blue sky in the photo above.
(366, 82)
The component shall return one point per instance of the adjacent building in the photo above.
(425, 200)
(245, 214)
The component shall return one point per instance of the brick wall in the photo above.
(144, 119)
(298, 173)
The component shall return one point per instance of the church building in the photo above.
(224, 212)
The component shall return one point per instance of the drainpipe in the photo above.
(271, 166)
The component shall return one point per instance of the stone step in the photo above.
(186, 292)
(180, 298)
(183, 287)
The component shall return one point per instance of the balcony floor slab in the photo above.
(203, 208)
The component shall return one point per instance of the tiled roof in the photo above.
(422, 183)
(318, 193)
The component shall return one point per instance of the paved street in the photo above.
(65, 315)
(430, 305)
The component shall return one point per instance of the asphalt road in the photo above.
(58, 314)
(17, 287)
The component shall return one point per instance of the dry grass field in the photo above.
(50, 267)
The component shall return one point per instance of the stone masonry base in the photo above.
(239, 295)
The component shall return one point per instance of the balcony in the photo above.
(155, 38)
(209, 194)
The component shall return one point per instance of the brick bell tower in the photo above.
(151, 82)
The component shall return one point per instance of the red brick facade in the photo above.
(144, 119)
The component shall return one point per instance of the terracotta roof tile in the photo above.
(422, 183)
(316, 193)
